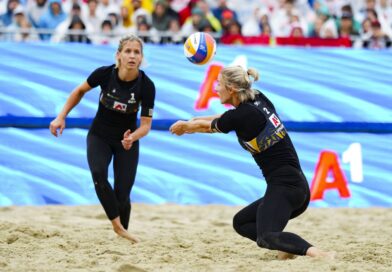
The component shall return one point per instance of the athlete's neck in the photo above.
(235, 101)
(127, 75)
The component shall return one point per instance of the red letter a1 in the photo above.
(328, 162)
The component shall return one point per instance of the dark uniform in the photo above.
(117, 112)
(260, 131)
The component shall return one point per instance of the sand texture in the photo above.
(185, 238)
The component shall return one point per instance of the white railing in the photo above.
(34, 34)
(50, 35)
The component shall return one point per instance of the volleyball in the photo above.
(200, 48)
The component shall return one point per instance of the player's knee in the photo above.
(237, 224)
(99, 179)
(122, 195)
(266, 240)
(262, 243)
(124, 202)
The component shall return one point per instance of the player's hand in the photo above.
(58, 123)
(179, 128)
(127, 140)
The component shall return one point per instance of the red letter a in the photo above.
(328, 161)
(206, 91)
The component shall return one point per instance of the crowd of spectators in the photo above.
(366, 22)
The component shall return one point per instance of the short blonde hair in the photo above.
(124, 40)
(239, 80)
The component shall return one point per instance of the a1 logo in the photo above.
(329, 175)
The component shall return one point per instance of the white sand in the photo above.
(184, 238)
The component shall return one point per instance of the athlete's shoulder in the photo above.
(243, 111)
(250, 112)
(100, 75)
(104, 70)
(145, 76)
(260, 96)
(146, 79)
(246, 109)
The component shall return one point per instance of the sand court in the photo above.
(184, 238)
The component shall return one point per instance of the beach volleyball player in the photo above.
(261, 132)
(114, 132)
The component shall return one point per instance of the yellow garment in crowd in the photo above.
(148, 5)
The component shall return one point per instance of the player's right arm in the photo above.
(181, 127)
(73, 99)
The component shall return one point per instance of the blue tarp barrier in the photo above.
(329, 92)
(37, 168)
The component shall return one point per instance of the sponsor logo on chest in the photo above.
(120, 106)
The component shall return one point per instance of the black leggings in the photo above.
(115, 201)
(263, 221)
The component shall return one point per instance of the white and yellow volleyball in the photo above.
(200, 48)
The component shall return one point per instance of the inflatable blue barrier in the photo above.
(37, 168)
(328, 92)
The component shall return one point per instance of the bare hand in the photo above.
(58, 123)
(179, 128)
(127, 140)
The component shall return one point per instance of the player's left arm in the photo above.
(146, 114)
(143, 129)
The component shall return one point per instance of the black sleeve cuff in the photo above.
(214, 126)
(147, 112)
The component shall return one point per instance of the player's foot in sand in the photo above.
(286, 256)
(125, 234)
(122, 232)
(318, 253)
